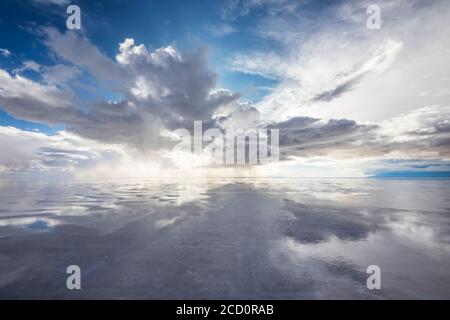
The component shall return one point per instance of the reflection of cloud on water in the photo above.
(332, 275)
(29, 223)
(333, 246)
(166, 222)
(421, 229)
(106, 205)
(315, 224)
(237, 238)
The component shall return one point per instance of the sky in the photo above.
(349, 101)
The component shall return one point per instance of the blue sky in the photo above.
(346, 98)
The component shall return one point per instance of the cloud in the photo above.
(162, 90)
(337, 91)
(28, 65)
(5, 52)
(234, 9)
(79, 51)
(424, 131)
(256, 63)
(419, 134)
(337, 68)
(60, 75)
(311, 137)
(221, 30)
(55, 2)
(25, 151)
(32, 101)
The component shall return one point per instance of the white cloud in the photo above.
(238, 8)
(60, 75)
(56, 2)
(221, 30)
(257, 63)
(340, 69)
(128, 49)
(428, 127)
(4, 52)
(24, 151)
(28, 65)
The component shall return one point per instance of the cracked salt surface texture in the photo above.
(225, 238)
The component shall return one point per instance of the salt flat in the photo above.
(232, 238)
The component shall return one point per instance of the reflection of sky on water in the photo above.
(225, 238)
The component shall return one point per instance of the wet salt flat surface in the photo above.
(225, 238)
